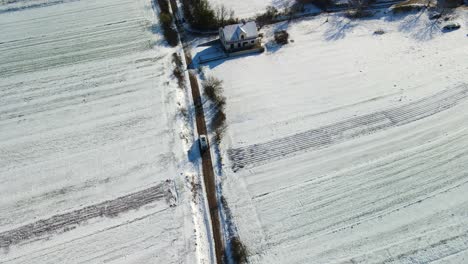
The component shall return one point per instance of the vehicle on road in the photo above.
(203, 141)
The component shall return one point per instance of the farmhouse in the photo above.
(239, 36)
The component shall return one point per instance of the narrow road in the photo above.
(208, 174)
(207, 164)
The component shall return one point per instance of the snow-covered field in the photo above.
(90, 154)
(249, 8)
(349, 147)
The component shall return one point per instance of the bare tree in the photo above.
(286, 7)
(231, 15)
(221, 14)
(356, 8)
(358, 5)
(224, 15)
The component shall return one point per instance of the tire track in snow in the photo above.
(442, 241)
(441, 249)
(57, 50)
(370, 193)
(67, 221)
(451, 244)
(344, 202)
(258, 154)
(9, 8)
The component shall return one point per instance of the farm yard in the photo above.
(91, 161)
(346, 143)
(347, 146)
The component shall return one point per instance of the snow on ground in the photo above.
(349, 147)
(90, 155)
(249, 8)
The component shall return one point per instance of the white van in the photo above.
(203, 141)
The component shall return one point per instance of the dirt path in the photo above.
(207, 164)
(208, 174)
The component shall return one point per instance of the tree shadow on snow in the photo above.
(157, 30)
(415, 24)
(210, 113)
(418, 26)
(338, 27)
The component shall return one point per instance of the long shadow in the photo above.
(214, 64)
(217, 158)
(157, 30)
(218, 61)
(338, 28)
(213, 52)
(414, 23)
(193, 153)
(419, 27)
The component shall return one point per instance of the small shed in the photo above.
(239, 36)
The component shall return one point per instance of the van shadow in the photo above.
(193, 153)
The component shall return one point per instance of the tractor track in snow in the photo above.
(52, 51)
(373, 192)
(314, 139)
(67, 221)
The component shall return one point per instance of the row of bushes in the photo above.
(268, 17)
(166, 19)
(213, 89)
(272, 14)
(178, 70)
(201, 15)
(238, 249)
(322, 4)
(356, 8)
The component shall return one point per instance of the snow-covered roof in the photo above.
(234, 32)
